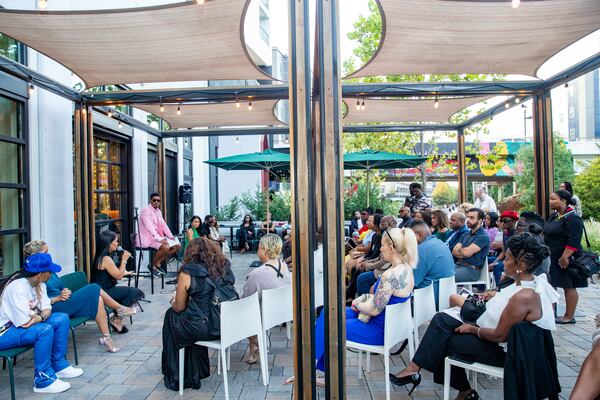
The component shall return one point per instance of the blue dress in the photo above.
(356, 331)
(82, 303)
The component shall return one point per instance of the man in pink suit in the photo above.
(154, 233)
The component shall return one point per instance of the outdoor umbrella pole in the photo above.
(368, 186)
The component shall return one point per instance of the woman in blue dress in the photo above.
(365, 319)
(88, 301)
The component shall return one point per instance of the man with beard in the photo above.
(472, 248)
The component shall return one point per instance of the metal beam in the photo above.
(129, 120)
(398, 128)
(271, 130)
(493, 111)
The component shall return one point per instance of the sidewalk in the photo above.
(135, 372)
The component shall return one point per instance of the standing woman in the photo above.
(576, 202)
(191, 233)
(562, 234)
(106, 274)
(441, 225)
(246, 233)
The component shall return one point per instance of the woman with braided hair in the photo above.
(530, 299)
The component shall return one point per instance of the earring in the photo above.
(518, 271)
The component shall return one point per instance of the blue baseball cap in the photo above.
(40, 262)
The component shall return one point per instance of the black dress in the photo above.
(186, 328)
(125, 295)
(245, 234)
(560, 232)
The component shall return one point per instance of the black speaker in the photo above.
(184, 194)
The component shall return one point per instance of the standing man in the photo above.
(417, 201)
(155, 233)
(509, 220)
(472, 249)
(405, 217)
(484, 200)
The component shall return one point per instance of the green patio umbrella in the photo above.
(268, 160)
(373, 159)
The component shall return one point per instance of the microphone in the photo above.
(120, 249)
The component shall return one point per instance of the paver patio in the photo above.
(135, 372)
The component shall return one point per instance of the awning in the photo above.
(401, 111)
(216, 114)
(167, 43)
(477, 36)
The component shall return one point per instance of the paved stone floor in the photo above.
(135, 373)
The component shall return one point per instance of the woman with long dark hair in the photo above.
(106, 274)
(441, 225)
(562, 234)
(191, 233)
(187, 321)
(245, 233)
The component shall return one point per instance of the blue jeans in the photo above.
(466, 274)
(497, 271)
(49, 340)
(364, 282)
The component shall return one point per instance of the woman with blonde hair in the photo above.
(365, 319)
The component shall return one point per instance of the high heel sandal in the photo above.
(106, 341)
(114, 327)
(123, 311)
(415, 379)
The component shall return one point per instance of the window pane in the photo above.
(101, 149)
(9, 117)
(100, 176)
(115, 152)
(10, 254)
(10, 209)
(152, 176)
(9, 162)
(114, 182)
(9, 47)
(187, 167)
(107, 206)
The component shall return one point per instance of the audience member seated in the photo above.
(465, 207)
(440, 225)
(88, 301)
(530, 298)
(364, 246)
(375, 267)
(491, 227)
(356, 266)
(286, 250)
(154, 233)
(587, 386)
(405, 217)
(365, 319)
(191, 233)
(364, 216)
(205, 227)
(186, 321)
(266, 226)
(534, 224)
(106, 274)
(26, 319)
(355, 222)
(424, 216)
(472, 249)
(245, 233)
(214, 234)
(272, 274)
(509, 220)
(435, 260)
(457, 224)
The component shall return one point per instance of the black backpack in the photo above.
(222, 291)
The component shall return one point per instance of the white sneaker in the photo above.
(69, 372)
(56, 387)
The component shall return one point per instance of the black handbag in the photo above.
(472, 309)
(586, 263)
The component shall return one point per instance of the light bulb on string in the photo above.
(42, 4)
(506, 105)
(31, 89)
(436, 103)
(287, 139)
(566, 85)
(362, 106)
(179, 109)
(250, 105)
(120, 124)
(83, 110)
(200, 2)
(109, 114)
(515, 3)
(517, 100)
(162, 106)
(237, 101)
(237, 139)
(357, 104)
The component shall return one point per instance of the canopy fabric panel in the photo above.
(168, 43)
(401, 111)
(215, 114)
(477, 36)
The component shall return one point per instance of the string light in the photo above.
(250, 105)
(362, 106)
(287, 139)
(83, 110)
(110, 114)
(237, 101)
(517, 100)
(515, 3)
(237, 139)
(120, 124)
(200, 2)
(506, 105)
(436, 103)
(31, 89)
(566, 85)
(162, 106)
(357, 104)
(42, 4)
(179, 109)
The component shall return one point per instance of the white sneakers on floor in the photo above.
(56, 387)
(69, 372)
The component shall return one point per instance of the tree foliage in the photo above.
(255, 203)
(356, 198)
(444, 194)
(587, 187)
(525, 178)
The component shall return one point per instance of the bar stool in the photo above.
(140, 258)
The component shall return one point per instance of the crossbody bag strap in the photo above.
(587, 241)
(277, 271)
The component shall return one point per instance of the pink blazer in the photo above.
(153, 227)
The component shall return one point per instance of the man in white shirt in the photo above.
(484, 201)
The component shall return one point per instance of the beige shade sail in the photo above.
(169, 43)
(477, 36)
(402, 111)
(216, 114)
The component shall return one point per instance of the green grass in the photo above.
(593, 230)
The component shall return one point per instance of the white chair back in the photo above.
(447, 287)
(398, 325)
(424, 305)
(485, 275)
(277, 306)
(319, 294)
(239, 319)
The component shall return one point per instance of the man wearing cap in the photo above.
(26, 319)
(509, 220)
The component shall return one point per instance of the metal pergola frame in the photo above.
(316, 157)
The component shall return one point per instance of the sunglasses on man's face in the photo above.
(156, 200)
(506, 220)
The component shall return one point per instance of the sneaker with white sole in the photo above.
(57, 386)
(69, 372)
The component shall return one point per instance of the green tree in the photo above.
(525, 178)
(444, 194)
(587, 185)
(356, 198)
(230, 211)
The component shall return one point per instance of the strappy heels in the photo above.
(415, 379)
(125, 311)
(106, 341)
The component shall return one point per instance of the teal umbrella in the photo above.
(268, 160)
(373, 159)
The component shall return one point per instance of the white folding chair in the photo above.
(474, 367)
(319, 294)
(398, 326)
(423, 309)
(484, 278)
(276, 308)
(240, 319)
(447, 287)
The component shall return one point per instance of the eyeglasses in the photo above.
(155, 200)
(506, 220)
